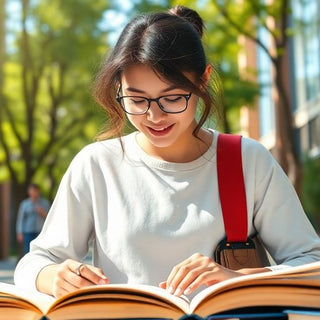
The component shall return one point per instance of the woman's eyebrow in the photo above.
(136, 90)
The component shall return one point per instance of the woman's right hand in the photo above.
(70, 275)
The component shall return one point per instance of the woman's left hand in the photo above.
(195, 271)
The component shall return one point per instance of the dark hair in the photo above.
(34, 185)
(189, 15)
(168, 42)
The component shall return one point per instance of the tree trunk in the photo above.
(18, 193)
(4, 238)
(286, 153)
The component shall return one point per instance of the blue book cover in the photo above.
(302, 314)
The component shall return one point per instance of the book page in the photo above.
(305, 274)
(35, 299)
(156, 295)
(133, 292)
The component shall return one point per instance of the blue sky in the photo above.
(114, 19)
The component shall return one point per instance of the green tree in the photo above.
(222, 48)
(311, 190)
(150, 5)
(273, 16)
(47, 113)
(2, 52)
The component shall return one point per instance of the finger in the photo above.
(189, 283)
(59, 292)
(98, 277)
(212, 275)
(65, 282)
(69, 283)
(188, 271)
(207, 277)
(89, 275)
(182, 275)
(171, 282)
(100, 273)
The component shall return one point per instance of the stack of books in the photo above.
(292, 293)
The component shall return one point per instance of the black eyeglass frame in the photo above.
(186, 96)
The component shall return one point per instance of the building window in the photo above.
(306, 14)
(314, 133)
(266, 103)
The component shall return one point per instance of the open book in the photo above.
(292, 287)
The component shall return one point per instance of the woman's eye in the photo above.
(137, 101)
(173, 99)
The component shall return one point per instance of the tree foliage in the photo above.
(311, 189)
(247, 18)
(46, 112)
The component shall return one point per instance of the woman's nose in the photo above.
(155, 114)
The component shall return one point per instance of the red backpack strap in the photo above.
(231, 187)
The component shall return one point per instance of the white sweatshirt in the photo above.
(146, 215)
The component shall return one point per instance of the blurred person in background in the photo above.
(31, 216)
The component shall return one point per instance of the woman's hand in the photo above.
(197, 270)
(60, 279)
(20, 237)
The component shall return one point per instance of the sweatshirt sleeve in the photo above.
(20, 218)
(67, 229)
(275, 209)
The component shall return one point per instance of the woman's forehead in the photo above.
(141, 76)
(144, 76)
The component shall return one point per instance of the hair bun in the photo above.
(189, 15)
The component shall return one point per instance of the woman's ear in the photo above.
(206, 75)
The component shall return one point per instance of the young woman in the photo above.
(149, 201)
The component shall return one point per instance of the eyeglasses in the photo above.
(136, 105)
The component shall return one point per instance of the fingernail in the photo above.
(103, 281)
(171, 290)
(178, 292)
(187, 291)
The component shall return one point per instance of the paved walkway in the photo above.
(6, 269)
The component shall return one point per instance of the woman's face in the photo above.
(161, 133)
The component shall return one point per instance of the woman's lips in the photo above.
(160, 131)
